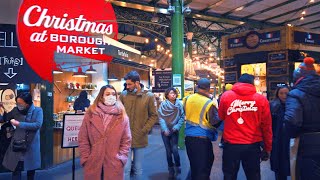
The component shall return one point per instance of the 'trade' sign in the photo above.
(63, 26)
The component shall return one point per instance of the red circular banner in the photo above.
(79, 28)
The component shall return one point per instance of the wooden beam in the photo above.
(210, 6)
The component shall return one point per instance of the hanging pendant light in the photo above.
(57, 69)
(112, 78)
(91, 70)
(79, 73)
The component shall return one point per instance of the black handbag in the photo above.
(20, 145)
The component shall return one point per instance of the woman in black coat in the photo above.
(82, 102)
(280, 154)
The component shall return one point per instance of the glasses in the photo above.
(110, 93)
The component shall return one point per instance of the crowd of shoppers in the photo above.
(114, 132)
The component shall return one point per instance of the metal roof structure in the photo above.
(208, 20)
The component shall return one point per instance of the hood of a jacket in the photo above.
(310, 85)
(244, 89)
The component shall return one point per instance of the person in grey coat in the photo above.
(28, 120)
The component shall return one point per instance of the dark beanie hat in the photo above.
(204, 83)
(246, 78)
(304, 69)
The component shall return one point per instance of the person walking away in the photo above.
(104, 137)
(201, 116)
(171, 118)
(302, 119)
(23, 153)
(82, 102)
(141, 109)
(227, 88)
(247, 123)
(280, 154)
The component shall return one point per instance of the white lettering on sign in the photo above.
(79, 24)
(5, 38)
(123, 53)
(79, 50)
(309, 41)
(13, 61)
(242, 106)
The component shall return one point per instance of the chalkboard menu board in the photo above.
(278, 57)
(229, 63)
(230, 77)
(277, 71)
(273, 85)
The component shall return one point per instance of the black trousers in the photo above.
(248, 155)
(16, 174)
(200, 153)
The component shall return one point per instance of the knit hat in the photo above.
(304, 68)
(228, 87)
(246, 78)
(204, 83)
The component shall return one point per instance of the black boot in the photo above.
(171, 173)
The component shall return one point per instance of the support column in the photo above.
(46, 132)
(177, 54)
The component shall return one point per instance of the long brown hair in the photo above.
(99, 99)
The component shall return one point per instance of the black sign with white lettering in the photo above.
(277, 56)
(13, 67)
(230, 77)
(229, 63)
(162, 80)
(253, 39)
(306, 38)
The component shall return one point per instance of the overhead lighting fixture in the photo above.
(303, 12)
(311, 1)
(91, 70)
(147, 40)
(138, 33)
(302, 18)
(290, 25)
(79, 73)
(156, 39)
(57, 69)
(4, 84)
(113, 78)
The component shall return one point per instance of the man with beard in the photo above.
(141, 109)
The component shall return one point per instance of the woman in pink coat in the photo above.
(105, 137)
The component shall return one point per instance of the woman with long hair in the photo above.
(280, 154)
(105, 137)
(171, 118)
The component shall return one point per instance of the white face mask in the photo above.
(110, 100)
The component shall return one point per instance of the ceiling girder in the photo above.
(270, 8)
(209, 7)
(295, 19)
(243, 6)
(293, 11)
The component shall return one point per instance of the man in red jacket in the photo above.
(247, 123)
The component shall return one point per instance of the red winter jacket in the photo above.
(246, 116)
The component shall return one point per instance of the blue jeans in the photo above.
(171, 144)
(138, 157)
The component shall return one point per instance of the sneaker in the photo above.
(171, 172)
(177, 170)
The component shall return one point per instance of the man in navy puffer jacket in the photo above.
(302, 119)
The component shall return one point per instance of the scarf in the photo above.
(170, 112)
(106, 113)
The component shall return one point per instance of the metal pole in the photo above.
(73, 162)
(177, 54)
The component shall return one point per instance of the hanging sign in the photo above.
(71, 128)
(13, 67)
(162, 80)
(254, 39)
(64, 26)
(306, 38)
(8, 99)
